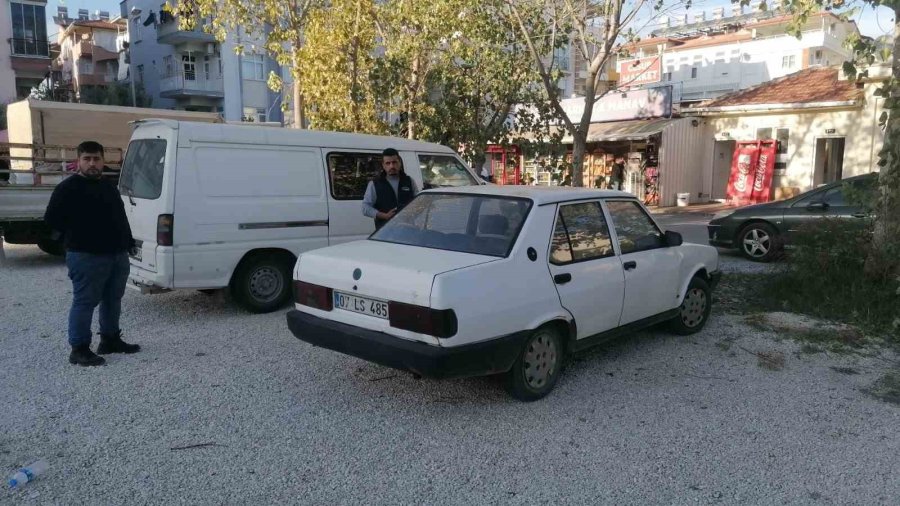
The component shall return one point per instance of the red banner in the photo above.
(752, 168)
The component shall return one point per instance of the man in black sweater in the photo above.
(89, 213)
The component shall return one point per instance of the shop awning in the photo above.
(626, 130)
(631, 130)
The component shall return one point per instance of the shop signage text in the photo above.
(639, 71)
(624, 105)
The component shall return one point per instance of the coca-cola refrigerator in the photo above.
(752, 167)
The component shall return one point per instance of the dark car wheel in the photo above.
(262, 282)
(535, 372)
(759, 242)
(694, 310)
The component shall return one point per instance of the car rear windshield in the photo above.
(483, 225)
(143, 169)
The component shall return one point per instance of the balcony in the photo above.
(29, 48)
(169, 33)
(183, 85)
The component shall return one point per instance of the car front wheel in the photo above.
(536, 370)
(759, 242)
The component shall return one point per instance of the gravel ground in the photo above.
(654, 419)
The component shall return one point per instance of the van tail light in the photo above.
(314, 296)
(164, 226)
(423, 320)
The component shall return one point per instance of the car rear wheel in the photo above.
(759, 242)
(262, 282)
(695, 308)
(536, 370)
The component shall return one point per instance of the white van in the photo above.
(213, 205)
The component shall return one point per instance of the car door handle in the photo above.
(631, 264)
(561, 279)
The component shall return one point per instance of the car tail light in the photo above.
(164, 226)
(423, 320)
(315, 296)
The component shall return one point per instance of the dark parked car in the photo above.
(760, 231)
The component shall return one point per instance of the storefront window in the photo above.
(782, 135)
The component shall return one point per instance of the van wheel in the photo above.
(694, 310)
(51, 247)
(262, 283)
(536, 370)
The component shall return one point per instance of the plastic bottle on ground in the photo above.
(27, 474)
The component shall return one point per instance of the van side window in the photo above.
(440, 171)
(143, 169)
(350, 173)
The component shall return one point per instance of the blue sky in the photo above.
(871, 22)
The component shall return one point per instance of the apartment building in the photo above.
(25, 57)
(710, 57)
(191, 70)
(89, 52)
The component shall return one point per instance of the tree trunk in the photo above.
(884, 259)
(411, 117)
(354, 83)
(578, 149)
(299, 116)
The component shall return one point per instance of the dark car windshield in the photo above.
(484, 225)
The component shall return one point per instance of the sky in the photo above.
(872, 23)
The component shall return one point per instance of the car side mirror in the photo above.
(673, 238)
(817, 206)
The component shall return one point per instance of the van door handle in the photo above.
(561, 279)
(860, 215)
(631, 264)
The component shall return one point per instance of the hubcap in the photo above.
(265, 284)
(693, 307)
(540, 360)
(757, 243)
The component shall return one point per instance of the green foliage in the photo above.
(825, 276)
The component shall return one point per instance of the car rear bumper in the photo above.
(487, 357)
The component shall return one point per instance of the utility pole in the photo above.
(136, 16)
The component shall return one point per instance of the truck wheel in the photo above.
(536, 370)
(262, 282)
(51, 247)
(694, 310)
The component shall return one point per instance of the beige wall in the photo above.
(858, 126)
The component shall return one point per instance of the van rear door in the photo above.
(147, 188)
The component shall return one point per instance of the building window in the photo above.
(85, 66)
(788, 62)
(561, 57)
(693, 72)
(29, 26)
(782, 135)
(140, 73)
(261, 115)
(135, 31)
(763, 134)
(667, 76)
(189, 64)
(253, 67)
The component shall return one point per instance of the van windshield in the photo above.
(143, 169)
(483, 225)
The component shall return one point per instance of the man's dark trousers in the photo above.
(96, 279)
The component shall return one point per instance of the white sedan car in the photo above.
(501, 279)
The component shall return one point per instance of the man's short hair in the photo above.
(390, 152)
(90, 147)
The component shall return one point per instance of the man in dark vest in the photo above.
(390, 191)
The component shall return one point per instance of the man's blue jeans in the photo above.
(96, 279)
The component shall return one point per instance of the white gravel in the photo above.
(655, 419)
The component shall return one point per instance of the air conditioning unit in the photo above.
(211, 48)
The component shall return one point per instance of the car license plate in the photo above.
(362, 305)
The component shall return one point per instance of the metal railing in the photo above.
(29, 47)
(191, 82)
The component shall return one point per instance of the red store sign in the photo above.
(639, 71)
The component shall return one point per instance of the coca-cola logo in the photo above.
(760, 172)
(743, 166)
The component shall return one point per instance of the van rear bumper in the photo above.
(478, 359)
(147, 282)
